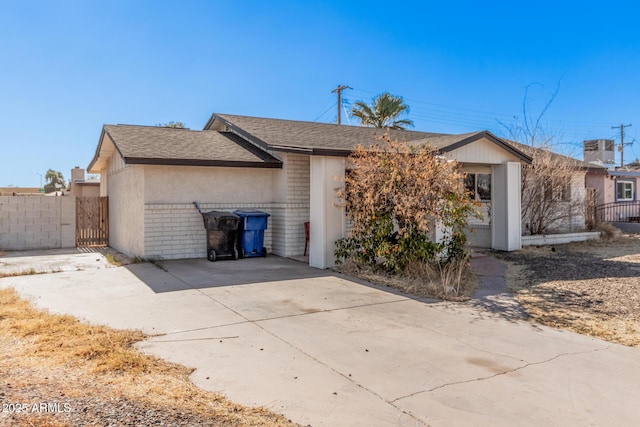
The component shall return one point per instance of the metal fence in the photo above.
(618, 212)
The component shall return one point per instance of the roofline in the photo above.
(200, 162)
(97, 153)
(238, 131)
(623, 173)
(336, 152)
(491, 137)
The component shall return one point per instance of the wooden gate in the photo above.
(92, 221)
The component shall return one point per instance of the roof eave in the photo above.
(201, 162)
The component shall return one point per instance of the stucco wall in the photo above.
(597, 182)
(186, 184)
(125, 190)
(173, 228)
(37, 222)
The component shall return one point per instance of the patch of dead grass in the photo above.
(451, 282)
(591, 288)
(56, 356)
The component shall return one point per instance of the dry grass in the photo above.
(453, 281)
(49, 357)
(592, 288)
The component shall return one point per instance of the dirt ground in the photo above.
(56, 371)
(592, 287)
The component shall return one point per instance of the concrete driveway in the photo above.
(325, 350)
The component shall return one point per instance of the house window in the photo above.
(624, 191)
(479, 186)
(557, 190)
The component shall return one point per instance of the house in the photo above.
(567, 194)
(615, 188)
(81, 187)
(286, 168)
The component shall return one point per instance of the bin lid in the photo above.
(218, 214)
(244, 213)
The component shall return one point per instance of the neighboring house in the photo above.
(615, 188)
(289, 169)
(21, 191)
(569, 199)
(81, 187)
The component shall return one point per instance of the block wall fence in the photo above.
(37, 222)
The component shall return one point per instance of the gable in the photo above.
(482, 151)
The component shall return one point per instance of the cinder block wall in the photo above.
(37, 222)
(296, 208)
(176, 231)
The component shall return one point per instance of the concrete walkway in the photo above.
(327, 351)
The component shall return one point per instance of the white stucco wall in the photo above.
(125, 190)
(327, 219)
(186, 184)
(505, 194)
(599, 183)
(173, 228)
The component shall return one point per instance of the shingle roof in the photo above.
(324, 138)
(169, 146)
(278, 133)
(529, 150)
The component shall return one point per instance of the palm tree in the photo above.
(383, 113)
(55, 181)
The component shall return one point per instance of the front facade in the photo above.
(288, 169)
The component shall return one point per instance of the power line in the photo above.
(339, 90)
(622, 144)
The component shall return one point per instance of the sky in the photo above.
(68, 67)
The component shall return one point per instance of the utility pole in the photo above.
(339, 90)
(621, 146)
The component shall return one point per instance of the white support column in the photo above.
(327, 220)
(506, 232)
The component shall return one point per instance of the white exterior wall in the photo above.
(483, 156)
(173, 228)
(291, 189)
(327, 219)
(125, 190)
(506, 228)
(37, 222)
(176, 230)
(574, 208)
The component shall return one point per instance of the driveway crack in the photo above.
(526, 365)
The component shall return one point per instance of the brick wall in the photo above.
(295, 212)
(176, 230)
(37, 222)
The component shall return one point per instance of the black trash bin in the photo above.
(222, 234)
(252, 226)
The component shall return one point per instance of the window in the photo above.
(557, 189)
(479, 186)
(624, 191)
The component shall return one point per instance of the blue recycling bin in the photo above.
(251, 228)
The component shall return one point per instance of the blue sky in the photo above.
(68, 67)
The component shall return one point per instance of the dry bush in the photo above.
(396, 195)
(608, 232)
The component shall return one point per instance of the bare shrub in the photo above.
(396, 196)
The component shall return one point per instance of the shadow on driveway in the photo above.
(200, 273)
